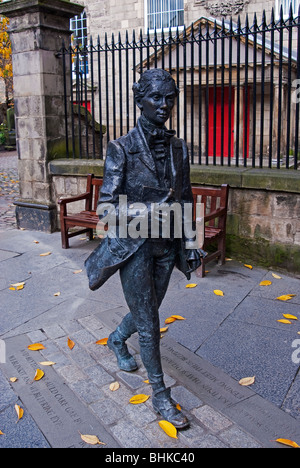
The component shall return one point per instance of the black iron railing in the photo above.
(239, 99)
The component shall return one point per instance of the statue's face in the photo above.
(158, 102)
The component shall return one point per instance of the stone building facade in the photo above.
(113, 16)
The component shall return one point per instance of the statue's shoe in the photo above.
(166, 407)
(126, 361)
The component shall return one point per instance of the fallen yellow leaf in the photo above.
(39, 375)
(36, 242)
(289, 316)
(45, 254)
(285, 297)
(19, 411)
(170, 320)
(276, 276)
(146, 381)
(103, 341)
(265, 283)
(218, 292)
(178, 406)
(56, 294)
(191, 285)
(47, 363)
(1, 433)
(114, 386)
(164, 329)
(138, 399)
(71, 343)
(178, 317)
(18, 285)
(248, 266)
(13, 379)
(169, 429)
(36, 347)
(247, 381)
(76, 272)
(288, 442)
(284, 321)
(91, 439)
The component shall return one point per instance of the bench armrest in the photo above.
(65, 201)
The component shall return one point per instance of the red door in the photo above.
(217, 128)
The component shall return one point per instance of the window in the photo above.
(164, 14)
(78, 26)
(286, 8)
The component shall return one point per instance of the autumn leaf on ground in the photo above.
(245, 382)
(71, 343)
(76, 272)
(36, 347)
(276, 276)
(102, 342)
(285, 297)
(169, 320)
(288, 442)
(284, 321)
(13, 379)
(248, 266)
(164, 329)
(114, 386)
(18, 286)
(45, 254)
(191, 285)
(169, 429)
(1, 433)
(47, 363)
(218, 292)
(56, 294)
(173, 318)
(19, 411)
(39, 375)
(289, 316)
(265, 283)
(138, 399)
(91, 439)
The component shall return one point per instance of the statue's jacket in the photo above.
(130, 170)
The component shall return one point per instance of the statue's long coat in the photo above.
(130, 170)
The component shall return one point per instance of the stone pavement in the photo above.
(221, 340)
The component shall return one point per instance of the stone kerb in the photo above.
(37, 30)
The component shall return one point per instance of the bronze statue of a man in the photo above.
(149, 165)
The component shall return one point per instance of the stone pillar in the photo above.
(37, 30)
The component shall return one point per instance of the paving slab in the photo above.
(244, 350)
(55, 409)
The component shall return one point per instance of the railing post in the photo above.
(37, 30)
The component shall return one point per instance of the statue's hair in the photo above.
(140, 88)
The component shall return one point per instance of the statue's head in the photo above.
(155, 95)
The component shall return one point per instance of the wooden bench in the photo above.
(215, 208)
(215, 202)
(87, 219)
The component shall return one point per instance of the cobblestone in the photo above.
(9, 189)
